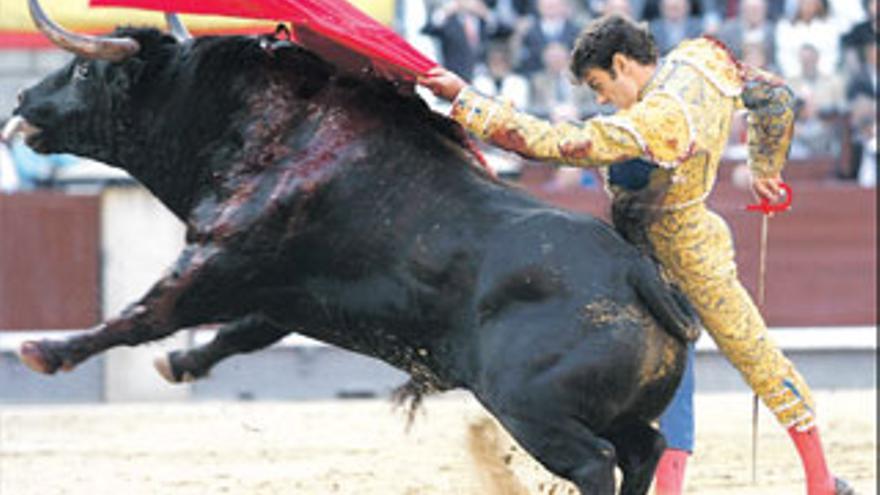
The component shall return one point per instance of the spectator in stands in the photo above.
(552, 25)
(811, 136)
(511, 11)
(499, 80)
(810, 25)
(462, 28)
(410, 17)
(821, 98)
(838, 11)
(579, 12)
(709, 12)
(846, 13)
(864, 82)
(826, 89)
(674, 25)
(621, 7)
(755, 55)
(553, 87)
(775, 9)
(862, 100)
(751, 26)
(857, 37)
(631, 8)
(512, 16)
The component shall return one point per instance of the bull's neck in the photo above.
(167, 172)
(176, 153)
(183, 134)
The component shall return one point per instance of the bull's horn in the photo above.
(176, 27)
(96, 47)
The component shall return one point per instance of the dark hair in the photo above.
(607, 35)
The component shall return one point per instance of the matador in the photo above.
(660, 154)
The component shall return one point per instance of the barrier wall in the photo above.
(821, 273)
(49, 261)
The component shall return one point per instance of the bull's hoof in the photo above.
(163, 366)
(170, 372)
(37, 358)
(841, 487)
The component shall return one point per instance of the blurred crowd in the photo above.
(518, 50)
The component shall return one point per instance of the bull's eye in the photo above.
(80, 72)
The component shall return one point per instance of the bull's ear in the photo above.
(271, 44)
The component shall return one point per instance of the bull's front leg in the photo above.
(248, 334)
(177, 300)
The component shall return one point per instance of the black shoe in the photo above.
(841, 487)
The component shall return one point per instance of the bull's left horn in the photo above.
(96, 47)
(176, 27)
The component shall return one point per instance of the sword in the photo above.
(762, 270)
(767, 209)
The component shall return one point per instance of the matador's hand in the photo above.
(767, 188)
(443, 83)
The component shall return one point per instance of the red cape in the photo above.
(334, 28)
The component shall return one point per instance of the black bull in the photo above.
(336, 207)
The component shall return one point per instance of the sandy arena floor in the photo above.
(360, 447)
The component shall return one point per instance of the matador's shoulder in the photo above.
(713, 60)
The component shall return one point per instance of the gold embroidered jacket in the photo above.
(681, 122)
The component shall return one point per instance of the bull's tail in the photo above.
(665, 302)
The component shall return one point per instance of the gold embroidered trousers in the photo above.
(695, 248)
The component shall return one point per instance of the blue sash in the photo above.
(631, 175)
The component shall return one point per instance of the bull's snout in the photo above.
(10, 129)
(17, 125)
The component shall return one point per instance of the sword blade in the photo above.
(762, 261)
(762, 270)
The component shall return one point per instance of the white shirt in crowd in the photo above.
(824, 34)
(514, 88)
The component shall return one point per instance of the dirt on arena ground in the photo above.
(361, 447)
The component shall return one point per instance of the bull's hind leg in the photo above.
(186, 297)
(568, 449)
(639, 447)
(248, 334)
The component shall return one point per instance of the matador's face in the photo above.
(618, 89)
(622, 83)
